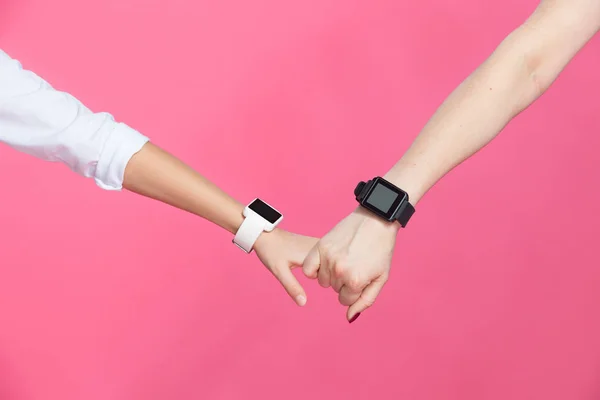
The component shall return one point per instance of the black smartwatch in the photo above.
(385, 200)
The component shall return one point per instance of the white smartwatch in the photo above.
(259, 217)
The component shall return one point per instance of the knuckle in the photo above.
(326, 249)
(354, 283)
(324, 279)
(346, 300)
(310, 271)
(338, 270)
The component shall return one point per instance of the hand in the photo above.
(354, 258)
(281, 251)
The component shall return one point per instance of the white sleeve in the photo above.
(54, 126)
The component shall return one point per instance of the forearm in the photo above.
(512, 78)
(53, 125)
(467, 120)
(154, 173)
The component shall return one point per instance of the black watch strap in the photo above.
(405, 213)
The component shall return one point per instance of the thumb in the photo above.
(302, 247)
(291, 285)
(366, 299)
(311, 263)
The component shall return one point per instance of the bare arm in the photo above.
(522, 67)
(354, 258)
(154, 173)
(54, 126)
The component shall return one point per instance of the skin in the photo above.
(154, 173)
(354, 258)
(150, 172)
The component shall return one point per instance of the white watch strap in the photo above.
(249, 232)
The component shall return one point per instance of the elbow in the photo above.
(530, 82)
(524, 68)
(537, 81)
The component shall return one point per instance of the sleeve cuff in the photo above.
(121, 145)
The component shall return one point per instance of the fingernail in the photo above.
(354, 318)
(301, 300)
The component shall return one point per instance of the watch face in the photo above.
(265, 211)
(384, 198)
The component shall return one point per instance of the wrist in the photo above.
(232, 216)
(371, 221)
(264, 239)
(408, 180)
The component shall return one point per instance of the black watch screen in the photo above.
(385, 200)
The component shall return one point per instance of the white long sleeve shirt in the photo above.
(54, 126)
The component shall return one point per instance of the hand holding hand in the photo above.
(354, 259)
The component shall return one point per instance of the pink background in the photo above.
(495, 287)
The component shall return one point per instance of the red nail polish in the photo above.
(354, 318)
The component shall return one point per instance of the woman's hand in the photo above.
(354, 258)
(281, 251)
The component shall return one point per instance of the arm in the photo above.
(156, 174)
(522, 67)
(54, 126)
